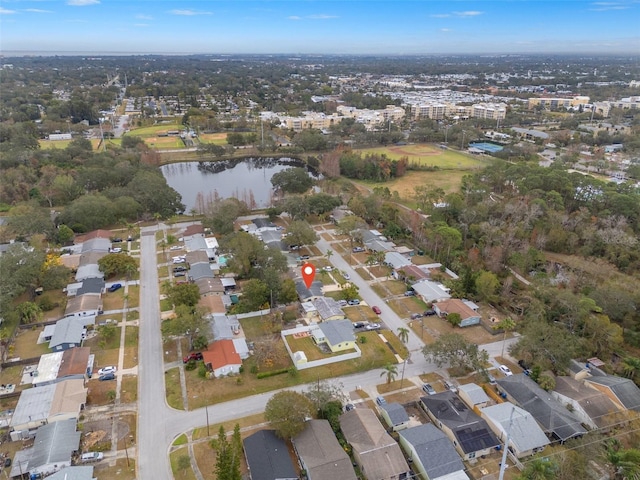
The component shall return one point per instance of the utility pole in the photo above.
(503, 464)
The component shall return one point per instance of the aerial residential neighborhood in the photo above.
(405, 246)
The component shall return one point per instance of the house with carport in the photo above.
(75, 363)
(431, 453)
(525, 435)
(377, 454)
(337, 335)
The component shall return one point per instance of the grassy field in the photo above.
(154, 130)
(62, 144)
(215, 138)
(428, 155)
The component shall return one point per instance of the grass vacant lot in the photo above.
(199, 433)
(120, 471)
(215, 138)
(311, 350)
(154, 130)
(173, 388)
(129, 389)
(179, 473)
(131, 347)
(428, 155)
(101, 393)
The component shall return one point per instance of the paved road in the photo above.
(159, 425)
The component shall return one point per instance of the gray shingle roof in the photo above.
(475, 393)
(624, 389)
(550, 414)
(327, 307)
(54, 443)
(472, 432)
(337, 331)
(595, 403)
(268, 457)
(322, 455)
(435, 451)
(200, 270)
(397, 414)
(68, 330)
(524, 433)
(91, 285)
(84, 472)
(306, 293)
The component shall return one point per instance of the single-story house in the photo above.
(48, 404)
(379, 245)
(263, 224)
(553, 417)
(91, 258)
(430, 291)
(395, 416)
(432, 453)
(96, 245)
(309, 311)
(89, 304)
(212, 304)
(320, 454)
(337, 335)
(79, 472)
(210, 286)
(328, 309)
(411, 274)
(268, 457)
(473, 395)
(273, 239)
(469, 433)
(592, 406)
(306, 294)
(395, 260)
(194, 229)
(221, 358)
(468, 316)
(200, 270)
(69, 332)
(88, 285)
(225, 327)
(197, 256)
(377, 454)
(52, 450)
(100, 233)
(90, 270)
(525, 435)
(622, 391)
(75, 363)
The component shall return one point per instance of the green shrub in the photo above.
(191, 365)
(272, 373)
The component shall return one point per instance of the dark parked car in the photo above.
(359, 324)
(7, 462)
(192, 356)
(409, 293)
(107, 376)
(115, 286)
(429, 313)
(179, 269)
(116, 240)
(349, 406)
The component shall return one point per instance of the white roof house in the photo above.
(525, 435)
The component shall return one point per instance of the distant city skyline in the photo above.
(381, 27)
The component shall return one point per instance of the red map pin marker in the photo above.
(308, 274)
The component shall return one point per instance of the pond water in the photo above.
(249, 180)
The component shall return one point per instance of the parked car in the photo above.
(192, 356)
(381, 401)
(354, 302)
(342, 303)
(7, 462)
(175, 247)
(429, 313)
(415, 316)
(179, 269)
(328, 269)
(506, 370)
(114, 287)
(349, 406)
(372, 326)
(428, 389)
(376, 310)
(449, 385)
(91, 457)
(409, 293)
(115, 250)
(525, 367)
(346, 275)
(358, 249)
(109, 369)
(303, 257)
(359, 324)
(116, 240)
(492, 379)
(107, 376)
(180, 274)
(179, 260)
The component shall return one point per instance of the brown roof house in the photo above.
(89, 304)
(222, 359)
(58, 366)
(468, 315)
(320, 453)
(377, 454)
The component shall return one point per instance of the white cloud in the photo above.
(142, 25)
(321, 17)
(294, 17)
(144, 17)
(606, 6)
(37, 10)
(445, 30)
(82, 3)
(468, 13)
(4, 11)
(188, 13)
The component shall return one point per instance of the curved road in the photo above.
(159, 425)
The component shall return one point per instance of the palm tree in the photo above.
(403, 334)
(328, 254)
(507, 324)
(625, 463)
(391, 371)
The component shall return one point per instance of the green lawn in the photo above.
(428, 155)
(153, 130)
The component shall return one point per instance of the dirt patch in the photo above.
(411, 152)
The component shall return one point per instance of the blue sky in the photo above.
(302, 26)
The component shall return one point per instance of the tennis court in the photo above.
(486, 147)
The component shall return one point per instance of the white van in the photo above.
(92, 457)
